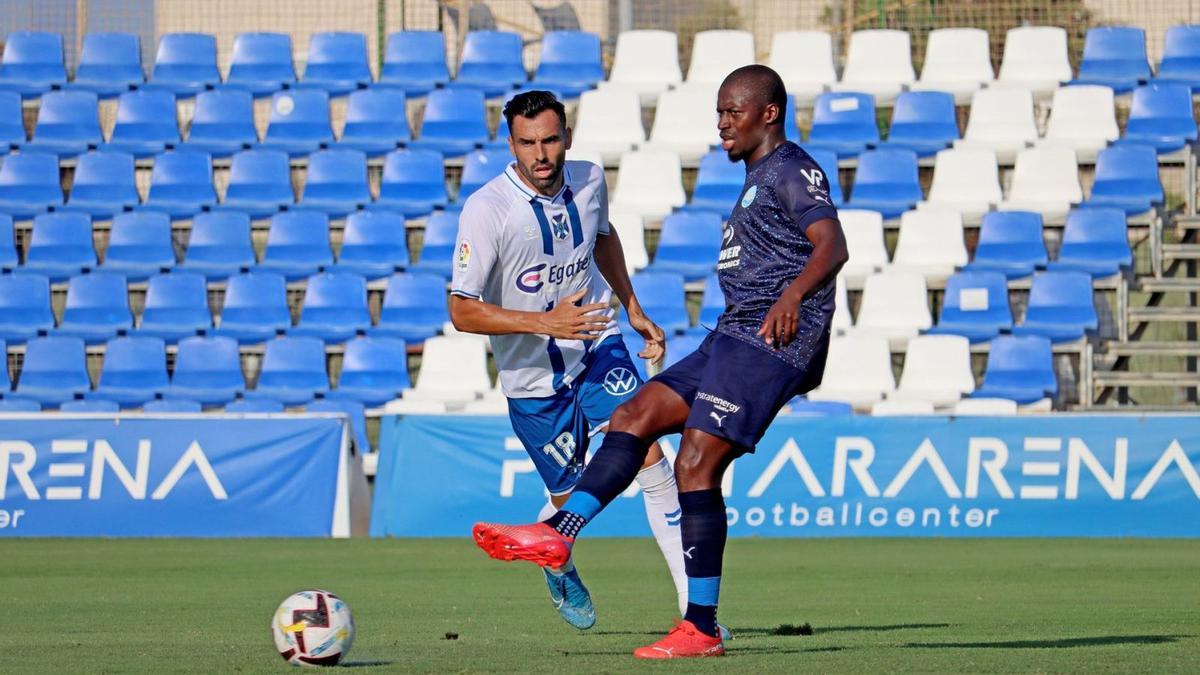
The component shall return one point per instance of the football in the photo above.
(313, 628)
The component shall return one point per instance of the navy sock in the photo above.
(611, 470)
(703, 528)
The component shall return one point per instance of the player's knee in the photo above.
(628, 419)
(691, 470)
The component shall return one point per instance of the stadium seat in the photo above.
(373, 124)
(68, 124)
(975, 306)
(646, 62)
(260, 183)
(827, 160)
(1161, 116)
(1127, 179)
(104, 185)
(678, 347)
(1061, 307)
(985, 406)
(631, 228)
(337, 63)
(1083, 118)
(139, 245)
(1001, 120)
(858, 371)
(843, 123)
(716, 53)
(957, 61)
(181, 184)
(33, 63)
(937, 369)
(1010, 242)
(802, 407)
(29, 184)
(351, 409)
(260, 406)
(906, 408)
(570, 62)
(886, 181)
(222, 123)
(208, 370)
(134, 371)
(299, 122)
(924, 122)
(93, 406)
(12, 124)
(336, 183)
(878, 63)
(414, 308)
(689, 245)
(453, 370)
(413, 183)
(54, 370)
(682, 126)
(109, 64)
(454, 123)
(931, 244)
(374, 371)
(297, 244)
(712, 305)
(804, 59)
(261, 63)
(1045, 180)
(146, 124)
(608, 121)
(61, 246)
(293, 370)
(176, 307)
(16, 404)
(1019, 368)
(186, 64)
(491, 62)
(966, 182)
(172, 406)
(219, 245)
(894, 306)
(719, 183)
(8, 248)
(335, 307)
(415, 62)
(791, 129)
(842, 320)
(865, 244)
(25, 310)
(255, 308)
(1035, 58)
(374, 244)
(1114, 56)
(1094, 241)
(649, 183)
(662, 296)
(97, 307)
(479, 167)
(1181, 56)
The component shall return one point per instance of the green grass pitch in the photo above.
(442, 606)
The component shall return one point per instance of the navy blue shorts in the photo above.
(735, 389)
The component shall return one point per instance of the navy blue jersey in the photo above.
(765, 248)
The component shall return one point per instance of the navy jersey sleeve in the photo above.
(804, 192)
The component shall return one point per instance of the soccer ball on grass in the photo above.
(313, 628)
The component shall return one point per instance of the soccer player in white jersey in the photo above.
(536, 267)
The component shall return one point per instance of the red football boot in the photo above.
(684, 641)
(538, 543)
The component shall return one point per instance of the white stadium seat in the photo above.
(937, 369)
(609, 122)
(1035, 57)
(646, 62)
(891, 408)
(804, 59)
(966, 182)
(631, 228)
(585, 155)
(957, 60)
(685, 123)
(649, 183)
(1083, 118)
(985, 406)
(842, 320)
(864, 241)
(858, 371)
(879, 63)
(930, 244)
(1045, 180)
(894, 306)
(1002, 121)
(716, 53)
(453, 371)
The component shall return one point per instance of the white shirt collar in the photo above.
(511, 172)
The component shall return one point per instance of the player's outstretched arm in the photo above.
(567, 321)
(828, 256)
(610, 259)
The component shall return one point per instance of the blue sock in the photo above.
(611, 470)
(703, 528)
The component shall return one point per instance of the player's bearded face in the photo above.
(540, 146)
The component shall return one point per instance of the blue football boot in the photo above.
(571, 599)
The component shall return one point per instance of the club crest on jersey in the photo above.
(748, 198)
(559, 227)
(464, 255)
(619, 381)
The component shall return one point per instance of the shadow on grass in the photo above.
(1062, 643)
(789, 629)
(733, 650)
(364, 664)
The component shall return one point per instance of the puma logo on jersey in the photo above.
(719, 418)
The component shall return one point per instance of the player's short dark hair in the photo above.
(763, 83)
(530, 104)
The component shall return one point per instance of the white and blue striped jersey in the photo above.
(524, 251)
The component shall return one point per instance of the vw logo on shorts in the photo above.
(619, 381)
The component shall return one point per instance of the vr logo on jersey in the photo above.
(814, 176)
(559, 227)
(532, 279)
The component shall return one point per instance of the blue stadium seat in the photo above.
(375, 121)
(297, 244)
(109, 64)
(146, 124)
(441, 230)
(1181, 56)
(719, 183)
(803, 407)
(139, 245)
(167, 406)
(16, 404)
(335, 307)
(454, 122)
(299, 122)
(176, 307)
(33, 63)
(1010, 242)
(374, 371)
(1020, 369)
(415, 61)
(256, 307)
(337, 63)
(254, 405)
(54, 370)
(61, 246)
(1114, 56)
(293, 370)
(220, 245)
(791, 127)
(975, 306)
(570, 62)
(500, 138)
(886, 181)
(97, 307)
(223, 122)
(336, 183)
(208, 370)
(689, 246)
(260, 183)
(712, 305)
(1060, 307)
(1161, 116)
(374, 244)
(29, 184)
(844, 123)
(261, 63)
(662, 296)
(25, 310)
(181, 184)
(414, 308)
(8, 248)
(924, 122)
(1095, 241)
(68, 124)
(104, 185)
(680, 346)
(134, 372)
(92, 406)
(12, 125)
(1126, 179)
(352, 409)
(491, 62)
(479, 167)
(186, 64)
(413, 183)
(827, 160)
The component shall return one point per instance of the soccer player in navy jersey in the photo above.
(782, 249)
